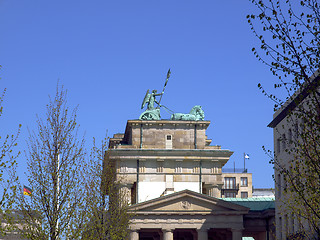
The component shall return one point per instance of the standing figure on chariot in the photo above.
(150, 99)
(151, 113)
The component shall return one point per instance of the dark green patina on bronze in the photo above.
(153, 113)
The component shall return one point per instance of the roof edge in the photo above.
(295, 100)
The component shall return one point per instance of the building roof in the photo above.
(295, 100)
(254, 204)
(262, 192)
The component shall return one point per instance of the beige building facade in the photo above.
(155, 158)
(173, 179)
(237, 185)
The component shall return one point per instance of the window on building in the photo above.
(286, 226)
(296, 126)
(160, 166)
(290, 135)
(168, 141)
(229, 182)
(292, 223)
(278, 145)
(244, 194)
(280, 227)
(300, 225)
(196, 169)
(279, 185)
(284, 184)
(284, 142)
(302, 125)
(230, 195)
(244, 182)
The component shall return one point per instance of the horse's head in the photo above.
(198, 112)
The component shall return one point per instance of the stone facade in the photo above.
(155, 158)
(173, 179)
(238, 185)
(194, 215)
(287, 128)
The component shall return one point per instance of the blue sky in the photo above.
(108, 53)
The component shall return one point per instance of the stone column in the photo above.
(202, 234)
(236, 234)
(134, 235)
(167, 234)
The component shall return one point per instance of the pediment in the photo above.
(187, 201)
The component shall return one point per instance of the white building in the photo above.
(263, 192)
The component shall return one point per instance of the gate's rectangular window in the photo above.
(168, 141)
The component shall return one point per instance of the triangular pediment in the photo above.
(187, 201)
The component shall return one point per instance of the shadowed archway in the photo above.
(219, 234)
(150, 234)
(185, 234)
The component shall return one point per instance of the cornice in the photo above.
(295, 99)
(182, 154)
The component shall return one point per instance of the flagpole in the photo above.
(244, 162)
